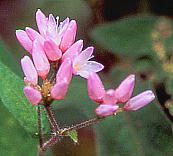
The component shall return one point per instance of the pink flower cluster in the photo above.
(110, 99)
(55, 45)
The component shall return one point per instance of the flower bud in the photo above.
(69, 36)
(40, 60)
(125, 89)
(65, 71)
(33, 95)
(59, 90)
(41, 21)
(140, 100)
(95, 88)
(52, 51)
(24, 40)
(106, 110)
(29, 70)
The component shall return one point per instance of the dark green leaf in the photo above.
(130, 36)
(12, 96)
(14, 141)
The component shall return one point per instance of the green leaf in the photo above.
(129, 36)
(14, 141)
(12, 96)
(73, 135)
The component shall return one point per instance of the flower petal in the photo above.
(41, 21)
(52, 51)
(74, 50)
(33, 95)
(69, 36)
(84, 56)
(96, 89)
(125, 89)
(40, 60)
(106, 110)
(65, 71)
(109, 97)
(24, 40)
(140, 100)
(59, 90)
(29, 70)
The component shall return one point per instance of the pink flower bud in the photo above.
(41, 21)
(109, 97)
(59, 90)
(24, 40)
(74, 50)
(32, 33)
(33, 95)
(106, 110)
(125, 89)
(65, 71)
(95, 88)
(29, 70)
(140, 100)
(40, 60)
(52, 51)
(69, 36)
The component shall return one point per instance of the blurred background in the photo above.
(129, 36)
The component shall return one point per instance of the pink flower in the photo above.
(63, 78)
(140, 100)
(33, 95)
(96, 89)
(110, 98)
(59, 90)
(65, 71)
(29, 70)
(106, 110)
(62, 35)
(24, 40)
(125, 89)
(40, 60)
(83, 67)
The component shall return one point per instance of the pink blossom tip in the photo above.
(74, 50)
(40, 59)
(59, 90)
(109, 97)
(69, 36)
(52, 51)
(65, 71)
(29, 70)
(106, 110)
(41, 21)
(33, 95)
(96, 89)
(140, 100)
(24, 40)
(125, 89)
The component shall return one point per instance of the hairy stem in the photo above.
(83, 124)
(51, 118)
(52, 141)
(39, 126)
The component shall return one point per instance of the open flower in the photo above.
(109, 99)
(55, 38)
(82, 66)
